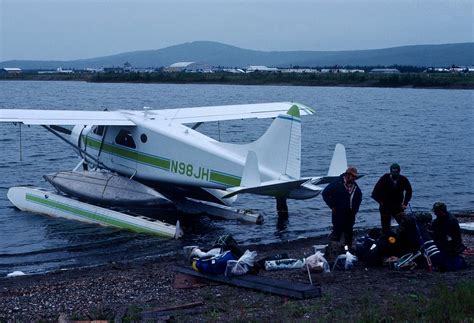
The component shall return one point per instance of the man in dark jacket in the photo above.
(393, 193)
(446, 231)
(343, 196)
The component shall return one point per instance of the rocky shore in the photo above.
(146, 290)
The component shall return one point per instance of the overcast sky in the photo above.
(72, 29)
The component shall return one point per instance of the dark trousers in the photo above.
(342, 224)
(386, 218)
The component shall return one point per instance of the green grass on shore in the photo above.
(441, 304)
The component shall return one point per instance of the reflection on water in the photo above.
(428, 132)
(282, 223)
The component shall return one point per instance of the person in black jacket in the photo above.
(343, 196)
(446, 231)
(393, 193)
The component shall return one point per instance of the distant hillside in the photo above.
(218, 54)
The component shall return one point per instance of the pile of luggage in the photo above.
(226, 257)
(410, 247)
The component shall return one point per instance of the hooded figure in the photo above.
(446, 231)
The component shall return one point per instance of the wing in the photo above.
(65, 117)
(121, 117)
(226, 112)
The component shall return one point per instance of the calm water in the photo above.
(428, 132)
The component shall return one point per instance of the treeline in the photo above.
(421, 80)
(416, 80)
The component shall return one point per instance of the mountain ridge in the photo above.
(219, 54)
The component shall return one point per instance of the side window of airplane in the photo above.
(98, 130)
(125, 138)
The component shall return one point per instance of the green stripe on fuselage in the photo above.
(133, 155)
(162, 163)
(224, 178)
(89, 215)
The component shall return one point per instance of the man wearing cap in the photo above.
(393, 193)
(446, 231)
(343, 196)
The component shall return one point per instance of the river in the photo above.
(428, 132)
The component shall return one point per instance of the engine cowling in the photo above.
(78, 133)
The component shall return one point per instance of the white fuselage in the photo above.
(164, 151)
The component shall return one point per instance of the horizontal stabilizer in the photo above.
(270, 188)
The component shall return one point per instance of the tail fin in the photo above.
(279, 148)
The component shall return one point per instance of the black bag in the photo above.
(373, 252)
(227, 242)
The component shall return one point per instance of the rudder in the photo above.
(279, 148)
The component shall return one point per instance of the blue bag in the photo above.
(214, 265)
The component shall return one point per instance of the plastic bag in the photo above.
(350, 259)
(344, 261)
(317, 263)
(248, 258)
(241, 266)
(284, 264)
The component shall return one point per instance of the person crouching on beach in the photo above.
(393, 193)
(343, 196)
(446, 231)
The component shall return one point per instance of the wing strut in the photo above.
(21, 146)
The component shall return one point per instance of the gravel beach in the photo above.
(145, 290)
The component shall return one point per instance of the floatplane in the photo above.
(149, 157)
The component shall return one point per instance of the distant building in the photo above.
(384, 71)
(260, 68)
(233, 70)
(127, 67)
(189, 67)
(11, 71)
(94, 70)
(452, 69)
(348, 71)
(459, 69)
(341, 70)
(113, 69)
(299, 70)
(59, 70)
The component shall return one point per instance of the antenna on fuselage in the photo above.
(145, 114)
